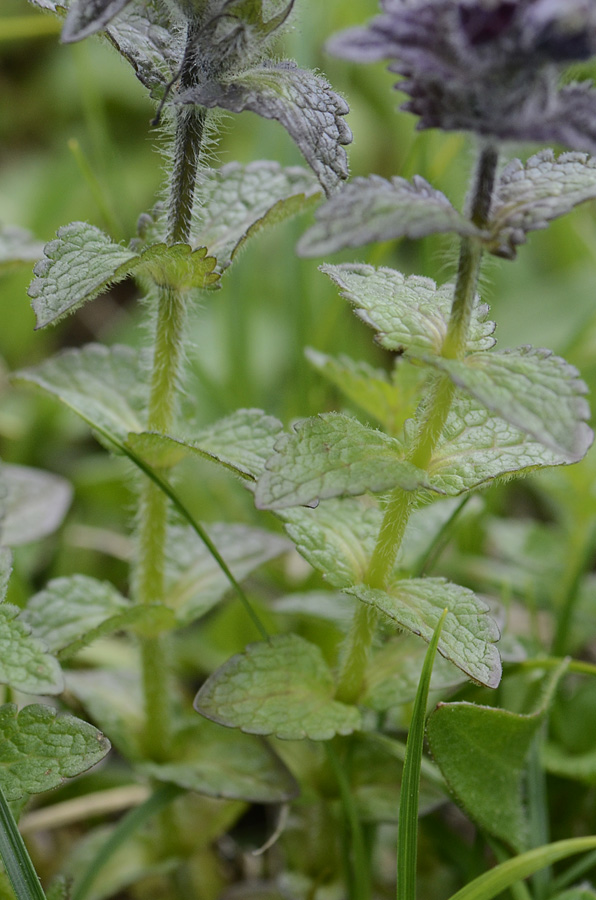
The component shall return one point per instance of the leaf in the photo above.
(374, 209)
(24, 663)
(86, 17)
(388, 399)
(34, 505)
(242, 441)
(220, 763)
(237, 201)
(468, 634)
(145, 34)
(477, 447)
(530, 195)
(531, 389)
(337, 538)
(104, 385)
(17, 247)
(282, 687)
(332, 455)
(482, 752)
(301, 101)
(39, 750)
(393, 675)
(83, 261)
(565, 764)
(72, 612)
(196, 582)
(408, 313)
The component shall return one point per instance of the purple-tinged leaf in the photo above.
(86, 17)
(300, 100)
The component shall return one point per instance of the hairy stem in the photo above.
(167, 357)
(432, 422)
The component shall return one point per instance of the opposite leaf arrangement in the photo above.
(363, 505)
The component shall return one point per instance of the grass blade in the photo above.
(492, 883)
(15, 857)
(407, 833)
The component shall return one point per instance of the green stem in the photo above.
(356, 652)
(433, 417)
(167, 356)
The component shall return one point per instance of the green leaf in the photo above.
(17, 247)
(242, 442)
(106, 386)
(221, 763)
(24, 663)
(562, 762)
(337, 538)
(301, 101)
(477, 447)
(583, 892)
(533, 390)
(18, 867)
(237, 201)
(388, 399)
(530, 195)
(393, 675)
(281, 687)
(374, 209)
(408, 313)
(468, 634)
(34, 504)
(332, 455)
(482, 753)
(492, 883)
(39, 750)
(83, 261)
(196, 582)
(71, 613)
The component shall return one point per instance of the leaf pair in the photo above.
(527, 197)
(82, 261)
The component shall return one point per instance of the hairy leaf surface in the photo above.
(146, 35)
(374, 209)
(408, 313)
(72, 612)
(468, 635)
(39, 750)
(477, 447)
(17, 247)
(533, 390)
(25, 664)
(237, 201)
(332, 455)
(530, 195)
(221, 763)
(242, 441)
(196, 582)
(83, 261)
(34, 503)
(104, 385)
(281, 687)
(482, 753)
(301, 101)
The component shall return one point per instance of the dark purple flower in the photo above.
(488, 66)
